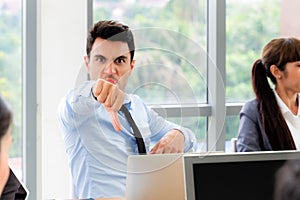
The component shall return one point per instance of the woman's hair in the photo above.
(277, 52)
(5, 117)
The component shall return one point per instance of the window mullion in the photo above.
(216, 74)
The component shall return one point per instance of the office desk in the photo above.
(117, 198)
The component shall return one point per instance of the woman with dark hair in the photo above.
(10, 187)
(5, 142)
(272, 120)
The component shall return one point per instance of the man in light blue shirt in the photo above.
(97, 136)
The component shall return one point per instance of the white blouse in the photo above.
(293, 121)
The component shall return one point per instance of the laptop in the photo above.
(205, 176)
(155, 177)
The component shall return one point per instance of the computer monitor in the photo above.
(233, 176)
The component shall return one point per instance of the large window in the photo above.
(170, 56)
(11, 73)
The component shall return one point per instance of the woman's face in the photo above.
(291, 77)
(5, 144)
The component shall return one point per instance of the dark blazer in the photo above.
(13, 189)
(251, 135)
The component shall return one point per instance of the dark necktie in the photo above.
(137, 134)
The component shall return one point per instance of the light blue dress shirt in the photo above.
(97, 153)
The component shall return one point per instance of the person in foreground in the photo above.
(272, 120)
(10, 186)
(287, 181)
(5, 142)
(97, 136)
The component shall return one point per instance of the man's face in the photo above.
(109, 60)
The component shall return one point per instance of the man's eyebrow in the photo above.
(99, 56)
(122, 56)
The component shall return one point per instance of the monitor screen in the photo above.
(236, 180)
(234, 176)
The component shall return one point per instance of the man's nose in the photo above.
(110, 68)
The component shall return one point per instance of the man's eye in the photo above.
(100, 59)
(120, 60)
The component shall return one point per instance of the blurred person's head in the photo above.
(287, 181)
(5, 141)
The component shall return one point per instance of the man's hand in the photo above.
(172, 142)
(111, 97)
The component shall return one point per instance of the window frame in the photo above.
(31, 149)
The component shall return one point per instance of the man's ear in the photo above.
(132, 64)
(276, 72)
(86, 62)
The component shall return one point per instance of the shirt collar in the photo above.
(283, 107)
(127, 100)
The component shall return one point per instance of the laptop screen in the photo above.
(236, 180)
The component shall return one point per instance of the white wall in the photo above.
(289, 22)
(63, 31)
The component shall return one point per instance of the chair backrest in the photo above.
(233, 144)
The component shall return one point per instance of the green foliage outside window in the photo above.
(250, 25)
(11, 71)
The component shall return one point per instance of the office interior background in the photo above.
(194, 60)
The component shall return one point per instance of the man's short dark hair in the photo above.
(113, 31)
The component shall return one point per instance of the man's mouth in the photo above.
(111, 80)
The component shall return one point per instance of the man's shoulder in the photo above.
(133, 98)
(78, 100)
(136, 103)
(82, 90)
